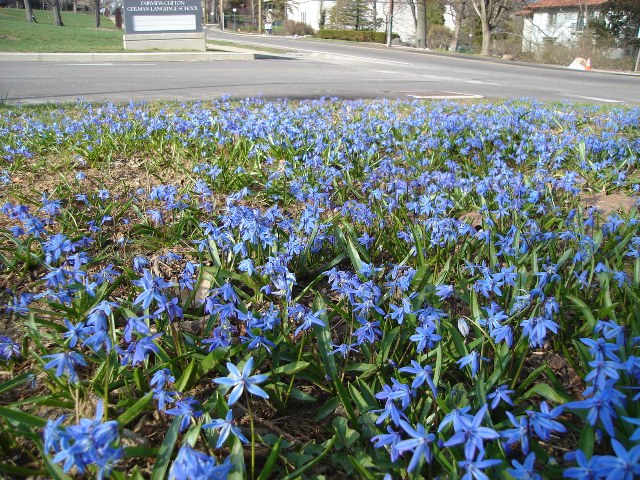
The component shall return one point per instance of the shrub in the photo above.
(292, 27)
(439, 37)
(355, 35)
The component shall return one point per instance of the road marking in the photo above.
(481, 82)
(106, 64)
(595, 99)
(444, 95)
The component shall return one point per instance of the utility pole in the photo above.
(259, 17)
(221, 17)
(390, 23)
(638, 57)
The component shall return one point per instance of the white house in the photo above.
(560, 21)
(310, 12)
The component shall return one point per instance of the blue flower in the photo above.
(543, 422)
(500, 394)
(308, 320)
(390, 439)
(192, 465)
(585, 470)
(636, 434)
(526, 470)
(625, 465)
(189, 408)
(343, 349)
(474, 469)
(151, 289)
(422, 375)
(601, 407)
(8, 348)
(239, 381)
(65, 363)
(425, 337)
(226, 426)
(536, 329)
(473, 435)
(473, 361)
(90, 442)
(418, 444)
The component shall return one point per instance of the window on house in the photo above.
(553, 19)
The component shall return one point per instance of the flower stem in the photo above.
(253, 438)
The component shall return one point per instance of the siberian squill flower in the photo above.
(418, 444)
(193, 465)
(226, 426)
(90, 442)
(473, 435)
(241, 380)
(8, 348)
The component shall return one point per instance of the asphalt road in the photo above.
(308, 69)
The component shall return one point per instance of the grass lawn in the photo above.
(79, 33)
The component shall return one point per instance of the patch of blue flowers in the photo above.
(453, 289)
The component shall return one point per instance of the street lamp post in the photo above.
(234, 10)
(221, 19)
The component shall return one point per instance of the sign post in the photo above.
(638, 57)
(163, 24)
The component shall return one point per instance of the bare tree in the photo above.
(27, 6)
(458, 11)
(97, 6)
(421, 23)
(489, 12)
(56, 13)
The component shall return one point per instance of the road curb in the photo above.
(126, 57)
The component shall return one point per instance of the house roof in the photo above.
(552, 4)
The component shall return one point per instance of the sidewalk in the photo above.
(127, 57)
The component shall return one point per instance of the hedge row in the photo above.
(355, 35)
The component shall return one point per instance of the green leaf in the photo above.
(166, 450)
(134, 410)
(271, 461)
(364, 472)
(547, 392)
(22, 417)
(290, 368)
(347, 435)
(302, 396)
(133, 452)
(14, 382)
(187, 378)
(324, 339)
(328, 408)
(361, 367)
(590, 319)
(237, 459)
(214, 358)
(587, 440)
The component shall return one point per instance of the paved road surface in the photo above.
(309, 69)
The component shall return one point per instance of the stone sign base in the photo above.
(166, 41)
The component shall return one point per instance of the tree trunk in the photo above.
(486, 38)
(421, 23)
(97, 5)
(390, 24)
(458, 8)
(29, 10)
(375, 16)
(56, 13)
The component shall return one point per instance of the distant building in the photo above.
(559, 21)
(311, 13)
